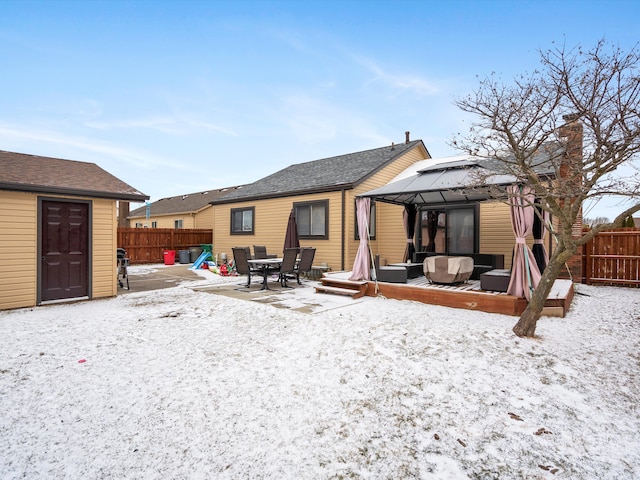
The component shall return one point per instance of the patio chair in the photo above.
(307, 254)
(241, 257)
(260, 252)
(288, 265)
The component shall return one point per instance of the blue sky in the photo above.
(176, 97)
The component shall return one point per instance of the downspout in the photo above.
(344, 233)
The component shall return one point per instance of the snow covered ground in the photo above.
(178, 383)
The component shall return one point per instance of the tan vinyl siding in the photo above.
(18, 217)
(200, 219)
(104, 237)
(19, 250)
(203, 218)
(496, 233)
(270, 224)
(165, 221)
(390, 241)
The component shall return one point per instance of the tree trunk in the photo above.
(526, 326)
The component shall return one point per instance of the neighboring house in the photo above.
(322, 193)
(58, 235)
(192, 210)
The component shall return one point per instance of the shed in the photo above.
(59, 229)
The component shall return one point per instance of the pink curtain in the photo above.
(525, 275)
(361, 267)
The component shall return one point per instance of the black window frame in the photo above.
(242, 231)
(309, 204)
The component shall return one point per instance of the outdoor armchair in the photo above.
(260, 252)
(307, 254)
(241, 257)
(288, 265)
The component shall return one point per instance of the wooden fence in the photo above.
(147, 245)
(613, 258)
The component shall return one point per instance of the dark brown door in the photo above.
(65, 250)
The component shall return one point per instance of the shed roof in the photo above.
(324, 175)
(187, 203)
(32, 173)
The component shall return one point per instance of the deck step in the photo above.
(338, 286)
(340, 291)
(343, 282)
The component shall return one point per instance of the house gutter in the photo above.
(77, 192)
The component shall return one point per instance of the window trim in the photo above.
(253, 221)
(325, 204)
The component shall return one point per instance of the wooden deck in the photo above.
(468, 295)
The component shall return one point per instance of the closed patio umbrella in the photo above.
(291, 239)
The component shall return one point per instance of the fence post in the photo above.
(587, 261)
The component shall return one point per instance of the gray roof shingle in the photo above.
(32, 173)
(188, 203)
(328, 174)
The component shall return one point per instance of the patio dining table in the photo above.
(265, 263)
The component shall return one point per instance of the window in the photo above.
(242, 221)
(139, 225)
(460, 230)
(154, 224)
(450, 230)
(372, 222)
(313, 219)
(177, 224)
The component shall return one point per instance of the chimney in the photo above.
(406, 136)
(571, 168)
(571, 174)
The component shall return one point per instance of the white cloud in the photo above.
(16, 136)
(400, 82)
(166, 124)
(314, 120)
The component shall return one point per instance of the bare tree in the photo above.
(569, 130)
(595, 221)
